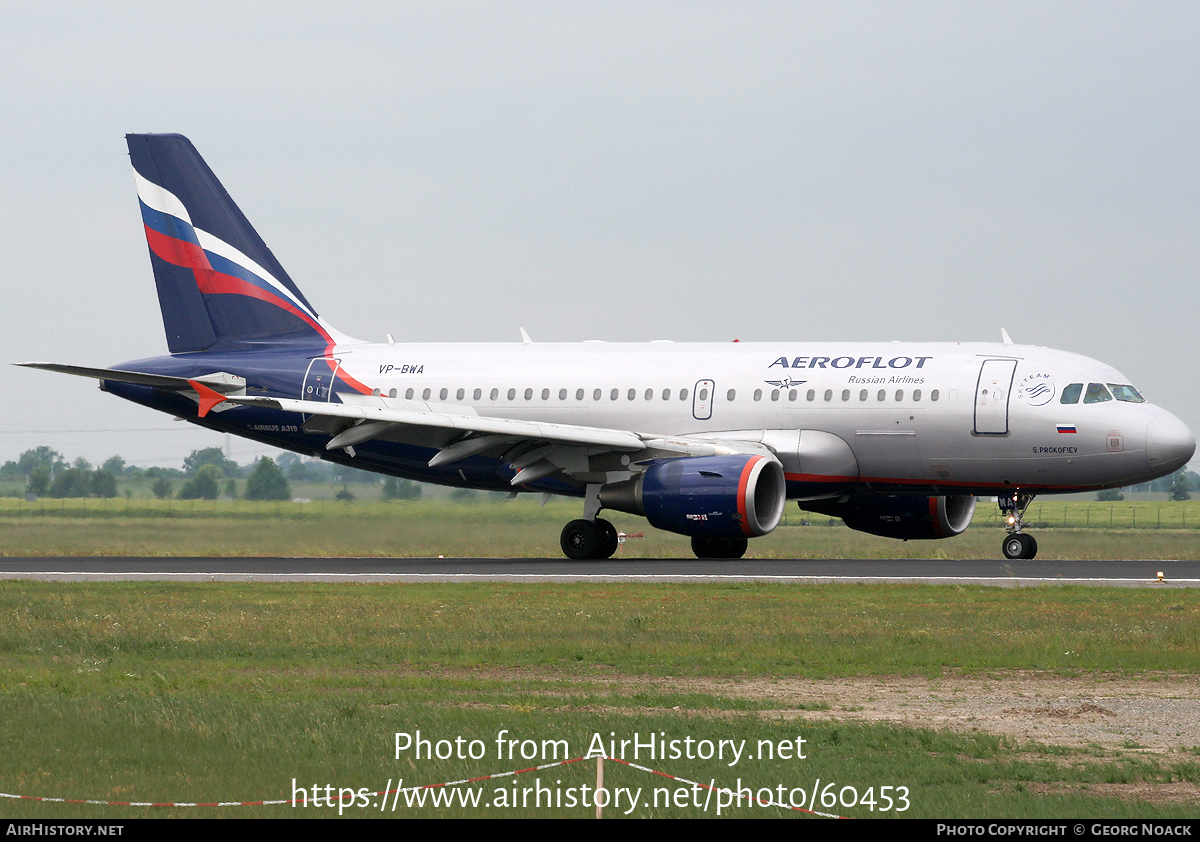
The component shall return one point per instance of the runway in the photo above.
(1003, 573)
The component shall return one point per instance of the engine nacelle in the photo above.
(907, 518)
(738, 496)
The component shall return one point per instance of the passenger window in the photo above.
(529, 394)
(562, 394)
(408, 394)
(478, 394)
(495, 394)
(829, 394)
(666, 394)
(758, 394)
(616, 393)
(916, 394)
(442, 395)
(683, 394)
(1121, 393)
(579, 394)
(633, 394)
(793, 394)
(774, 394)
(596, 395)
(392, 393)
(704, 394)
(882, 395)
(1096, 393)
(512, 394)
(730, 395)
(933, 396)
(425, 395)
(1071, 393)
(862, 396)
(649, 394)
(545, 394)
(899, 395)
(845, 394)
(460, 395)
(812, 395)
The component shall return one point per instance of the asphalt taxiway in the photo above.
(927, 571)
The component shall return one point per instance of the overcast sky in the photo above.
(622, 171)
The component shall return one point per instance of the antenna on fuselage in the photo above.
(525, 337)
(1004, 337)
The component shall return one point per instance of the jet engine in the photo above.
(907, 518)
(739, 496)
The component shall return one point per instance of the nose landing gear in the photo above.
(1016, 544)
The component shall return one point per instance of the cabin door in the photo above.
(992, 392)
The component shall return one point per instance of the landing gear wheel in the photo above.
(585, 539)
(719, 547)
(1020, 545)
(609, 533)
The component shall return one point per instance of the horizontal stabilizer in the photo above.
(218, 381)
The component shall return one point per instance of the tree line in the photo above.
(207, 474)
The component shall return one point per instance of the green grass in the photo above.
(157, 691)
(519, 528)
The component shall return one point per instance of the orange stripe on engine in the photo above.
(741, 495)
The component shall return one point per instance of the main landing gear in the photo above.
(1016, 544)
(593, 538)
(588, 539)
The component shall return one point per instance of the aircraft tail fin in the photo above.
(219, 286)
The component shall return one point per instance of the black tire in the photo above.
(1019, 546)
(719, 547)
(609, 534)
(581, 540)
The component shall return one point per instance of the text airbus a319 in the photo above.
(705, 440)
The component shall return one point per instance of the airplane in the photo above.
(706, 440)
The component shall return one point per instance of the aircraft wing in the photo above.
(536, 449)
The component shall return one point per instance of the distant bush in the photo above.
(267, 482)
(205, 485)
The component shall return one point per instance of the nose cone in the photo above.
(1169, 444)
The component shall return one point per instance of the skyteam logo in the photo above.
(1036, 390)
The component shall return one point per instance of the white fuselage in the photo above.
(915, 415)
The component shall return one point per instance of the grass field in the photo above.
(169, 692)
(523, 529)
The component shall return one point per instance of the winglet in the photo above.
(1005, 337)
(208, 397)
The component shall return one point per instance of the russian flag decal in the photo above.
(1066, 428)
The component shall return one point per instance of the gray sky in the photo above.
(623, 171)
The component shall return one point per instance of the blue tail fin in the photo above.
(219, 286)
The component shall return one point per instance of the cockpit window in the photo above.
(1126, 393)
(1071, 393)
(1096, 393)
